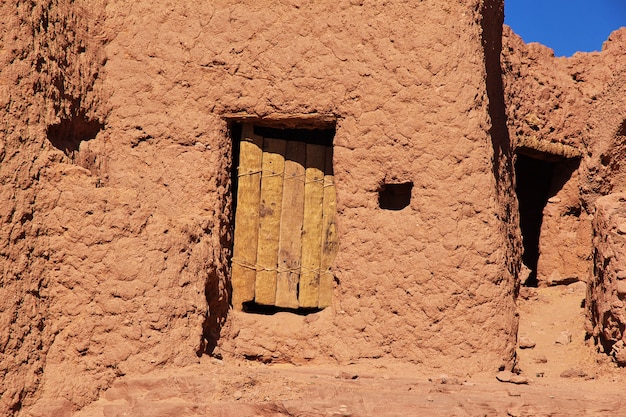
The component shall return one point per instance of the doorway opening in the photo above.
(285, 236)
(533, 183)
(539, 178)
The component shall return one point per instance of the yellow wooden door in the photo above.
(285, 235)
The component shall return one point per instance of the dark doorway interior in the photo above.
(534, 177)
(539, 177)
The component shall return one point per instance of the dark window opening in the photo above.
(316, 137)
(395, 196)
(269, 310)
(533, 183)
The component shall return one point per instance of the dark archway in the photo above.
(533, 184)
(538, 178)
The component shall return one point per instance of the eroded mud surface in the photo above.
(565, 377)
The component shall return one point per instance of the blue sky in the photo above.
(566, 26)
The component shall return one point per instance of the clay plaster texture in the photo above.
(571, 111)
(605, 193)
(567, 112)
(116, 172)
(607, 289)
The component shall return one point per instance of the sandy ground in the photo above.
(564, 378)
(552, 318)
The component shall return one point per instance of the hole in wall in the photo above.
(68, 134)
(395, 196)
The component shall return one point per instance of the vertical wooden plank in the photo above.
(329, 232)
(273, 167)
(290, 245)
(312, 226)
(247, 217)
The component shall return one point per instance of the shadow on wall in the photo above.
(622, 129)
(217, 292)
(492, 19)
(218, 288)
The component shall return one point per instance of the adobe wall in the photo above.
(579, 102)
(605, 143)
(116, 163)
(418, 284)
(605, 193)
(569, 110)
(607, 289)
(48, 69)
(544, 101)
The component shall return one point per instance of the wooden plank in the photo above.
(290, 245)
(312, 226)
(269, 220)
(329, 233)
(247, 217)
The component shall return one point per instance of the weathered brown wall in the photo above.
(545, 98)
(48, 68)
(416, 284)
(90, 278)
(607, 289)
(579, 102)
(604, 165)
(115, 254)
(604, 192)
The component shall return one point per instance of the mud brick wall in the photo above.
(116, 176)
(604, 170)
(607, 289)
(567, 112)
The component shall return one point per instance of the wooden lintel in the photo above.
(282, 120)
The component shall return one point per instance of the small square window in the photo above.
(395, 196)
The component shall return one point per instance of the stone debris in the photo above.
(565, 338)
(507, 376)
(346, 375)
(618, 351)
(446, 380)
(573, 373)
(528, 293)
(526, 342)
